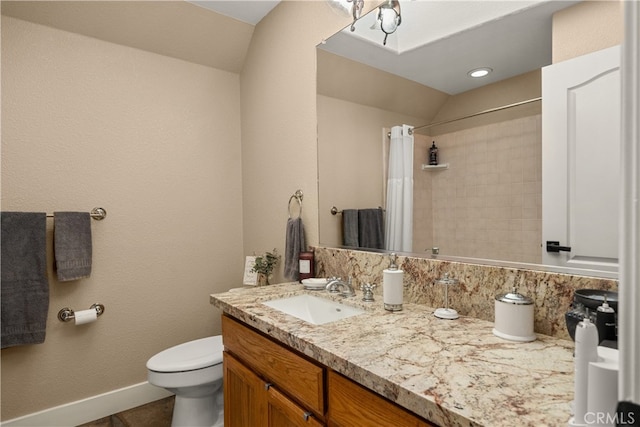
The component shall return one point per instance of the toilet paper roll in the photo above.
(86, 316)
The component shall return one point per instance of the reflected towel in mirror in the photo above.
(363, 228)
(371, 228)
(350, 228)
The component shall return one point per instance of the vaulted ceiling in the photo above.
(510, 37)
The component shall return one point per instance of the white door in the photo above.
(581, 161)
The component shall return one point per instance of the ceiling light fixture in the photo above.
(356, 10)
(389, 17)
(479, 72)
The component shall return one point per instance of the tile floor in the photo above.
(154, 414)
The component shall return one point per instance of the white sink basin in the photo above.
(312, 309)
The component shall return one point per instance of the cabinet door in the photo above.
(581, 161)
(245, 398)
(282, 412)
(300, 377)
(351, 404)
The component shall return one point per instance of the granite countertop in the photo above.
(451, 372)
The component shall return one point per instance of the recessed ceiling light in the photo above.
(480, 72)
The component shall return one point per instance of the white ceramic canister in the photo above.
(514, 317)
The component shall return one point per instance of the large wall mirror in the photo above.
(486, 205)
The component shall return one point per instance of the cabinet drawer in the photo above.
(295, 375)
(282, 412)
(351, 404)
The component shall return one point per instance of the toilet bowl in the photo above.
(193, 372)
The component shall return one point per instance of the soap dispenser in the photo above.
(392, 286)
(586, 351)
(433, 154)
(606, 322)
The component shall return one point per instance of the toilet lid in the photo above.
(189, 356)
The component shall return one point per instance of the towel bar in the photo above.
(96, 213)
(335, 211)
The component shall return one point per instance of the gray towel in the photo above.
(72, 245)
(294, 244)
(350, 228)
(371, 228)
(25, 288)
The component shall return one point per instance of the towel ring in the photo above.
(298, 196)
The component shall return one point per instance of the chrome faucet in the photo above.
(335, 283)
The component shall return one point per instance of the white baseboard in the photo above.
(91, 408)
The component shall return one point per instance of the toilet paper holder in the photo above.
(67, 314)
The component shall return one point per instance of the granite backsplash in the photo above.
(474, 296)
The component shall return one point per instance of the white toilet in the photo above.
(193, 372)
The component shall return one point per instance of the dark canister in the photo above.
(306, 265)
(433, 154)
(606, 323)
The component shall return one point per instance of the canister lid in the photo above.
(514, 297)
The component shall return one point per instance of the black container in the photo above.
(586, 302)
(606, 324)
(433, 154)
(594, 298)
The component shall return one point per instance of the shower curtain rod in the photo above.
(490, 110)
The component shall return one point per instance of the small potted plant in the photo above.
(264, 265)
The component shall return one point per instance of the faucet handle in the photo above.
(367, 290)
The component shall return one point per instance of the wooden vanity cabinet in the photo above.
(266, 384)
(351, 404)
(251, 401)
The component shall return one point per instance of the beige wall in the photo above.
(509, 91)
(350, 159)
(586, 27)
(279, 126)
(156, 142)
(342, 78)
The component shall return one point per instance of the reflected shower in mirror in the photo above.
(487, 203)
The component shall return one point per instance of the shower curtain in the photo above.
(399, 209)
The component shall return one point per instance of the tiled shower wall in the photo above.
(474, 296)
(488, 203)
